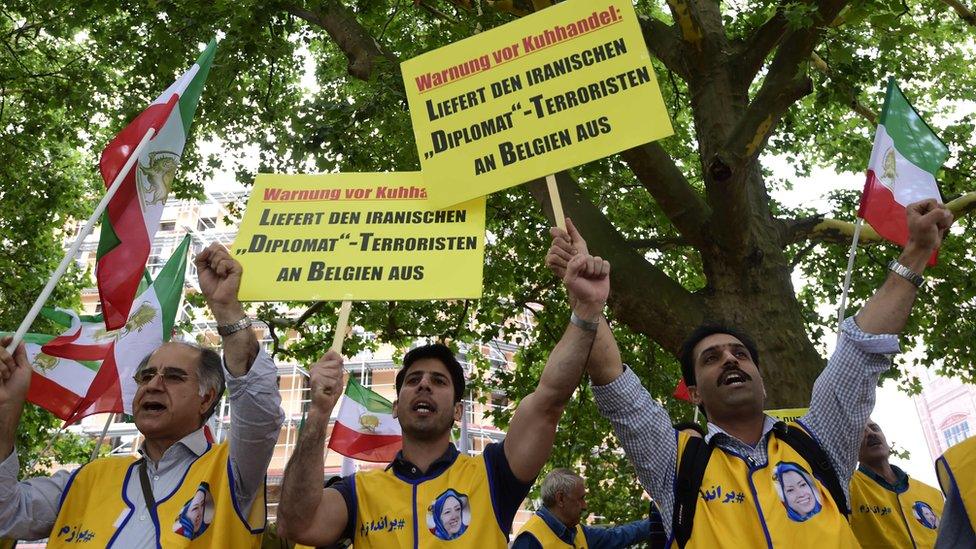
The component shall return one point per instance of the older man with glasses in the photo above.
(184, 490)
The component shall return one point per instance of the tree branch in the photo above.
(783, 85)
(642, 295)
(664, 42)
(820, 229)
(853, 102)
(361, 49)
(656, 170)
(751, 53)
(962, 11)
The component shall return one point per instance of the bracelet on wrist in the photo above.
(583, 324)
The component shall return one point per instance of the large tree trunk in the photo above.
(751, 288)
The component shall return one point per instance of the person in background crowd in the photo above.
(888, 508)
(557, 522)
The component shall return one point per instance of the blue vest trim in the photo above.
(237, 509)
(491, 495)
(125, 498)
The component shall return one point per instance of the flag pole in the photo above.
(557, 205)
(463, 435)
(98, 445)
(73, 251)
(842, 309)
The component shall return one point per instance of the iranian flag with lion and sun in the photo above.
(365, 428)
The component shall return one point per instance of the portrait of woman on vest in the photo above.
(796, 490)
(924, 514)
(197, 514)
(449, 516)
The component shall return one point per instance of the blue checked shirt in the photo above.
(842, 400)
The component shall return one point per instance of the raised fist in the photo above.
(928, 223)
(587, 280)
(15, 374)
(325, 380)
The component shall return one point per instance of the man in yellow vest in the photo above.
(956, 470)
(753, 481)
(184, 491)
(430, 495)
(557, 523)
(889, 509)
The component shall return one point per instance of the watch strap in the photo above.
(227, 329)
(906, 273)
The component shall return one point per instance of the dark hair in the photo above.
(682, 425)
(210, 373)
(439, 352)
(686, 353)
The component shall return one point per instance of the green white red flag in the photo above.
(365, 428)
(907, 155)
(58, 384)
(132, 216)
(72, 387)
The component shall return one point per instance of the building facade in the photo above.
(947, 410)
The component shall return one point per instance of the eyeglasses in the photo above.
(171, 375)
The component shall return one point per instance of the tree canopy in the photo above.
(690, 224)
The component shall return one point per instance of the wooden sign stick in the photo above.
(557, 205)
(342, 326)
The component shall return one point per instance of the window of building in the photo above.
(206, 223)
(167, 226)
(956, 433)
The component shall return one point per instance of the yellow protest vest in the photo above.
(452, 509)
(202, 512)
(883, 518)
(957, 467)
(547, 538)
(779, 504)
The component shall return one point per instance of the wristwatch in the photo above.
(906, 273)
(227, 329)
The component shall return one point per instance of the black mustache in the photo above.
(731, 371)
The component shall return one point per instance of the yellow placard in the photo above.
(359, 237)
(787, 414)
(552, 90)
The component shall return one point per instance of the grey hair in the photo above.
(558, 480)
(210, 373)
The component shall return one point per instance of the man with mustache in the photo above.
(888, 508)
(734, 464)
(403, 505)
(125, 502)
(558, 522)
